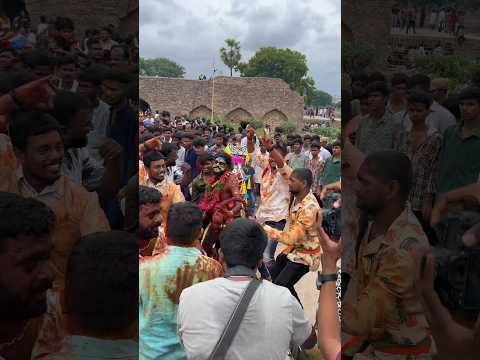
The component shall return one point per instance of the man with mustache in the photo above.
(222, 201)
(156, 168)
(25, 273)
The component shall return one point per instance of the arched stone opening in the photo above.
(274, 118)
(239, 114)
(201, 111)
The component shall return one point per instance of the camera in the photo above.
(332, 218)
(457, 267)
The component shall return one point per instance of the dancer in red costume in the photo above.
(222, 202)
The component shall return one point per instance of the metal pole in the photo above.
(213, 91)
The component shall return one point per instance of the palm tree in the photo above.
(231, 56)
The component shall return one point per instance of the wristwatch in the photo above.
(324, 278)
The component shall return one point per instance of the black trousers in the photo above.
(287, 273)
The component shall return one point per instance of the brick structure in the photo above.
(235, 98)
(88, 13)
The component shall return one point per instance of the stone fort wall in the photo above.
(368, 21)
(235, 98)
(88, 13)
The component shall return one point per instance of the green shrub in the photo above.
(331, 133)
(288, 127)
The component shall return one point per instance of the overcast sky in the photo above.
(191, 32)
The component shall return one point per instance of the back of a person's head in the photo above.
(243, 242)
(377, 87)
(420, 97)
(31, 123)
(420, 82)
(390, 165)
(101, 292)
(184, 221)
(67, 104)
(23, 216)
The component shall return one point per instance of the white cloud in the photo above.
(191, 32)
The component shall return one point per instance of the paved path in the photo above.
(422, 32)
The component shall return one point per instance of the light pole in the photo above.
(213, 87)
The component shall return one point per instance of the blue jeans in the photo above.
(269, 253)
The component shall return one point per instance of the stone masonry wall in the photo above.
(85, 13)
(235, 98)
(368, 21)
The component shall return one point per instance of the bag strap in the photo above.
(226, 339)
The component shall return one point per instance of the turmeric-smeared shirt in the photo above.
(161, 281)
(385, 310)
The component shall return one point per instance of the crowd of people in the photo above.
(228, 203)
(410, 158)
(68, 149)
(448, 19)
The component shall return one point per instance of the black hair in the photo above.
(118, 75)
(391, 165)
(469, 93)
(146, 136)
(207, 156)
(281, 149)
(316, 145)
(303, 175)
(65, 60)
(184, 221)
(298, 140)
(66, 104)
(89, 75)
(12, 80)
(167, 148)
(148, 195)
(62, 23)
(101, 289)
(420, 97)
(375, 77)
(38, 58)
(377, 86)
(152, 155)
(23, 216)
(32, 123)
(420, 80)
(399, 78)
(243, 242)
(199, 141)
(337, 143)
(187, 135)
(307, 137)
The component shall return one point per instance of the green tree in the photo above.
(231, 55)
(285, 64)
(320, 98)
(161, 67)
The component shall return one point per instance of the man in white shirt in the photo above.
(439, 118)
(274, 318)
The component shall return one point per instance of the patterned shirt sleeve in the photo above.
(298, 229)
